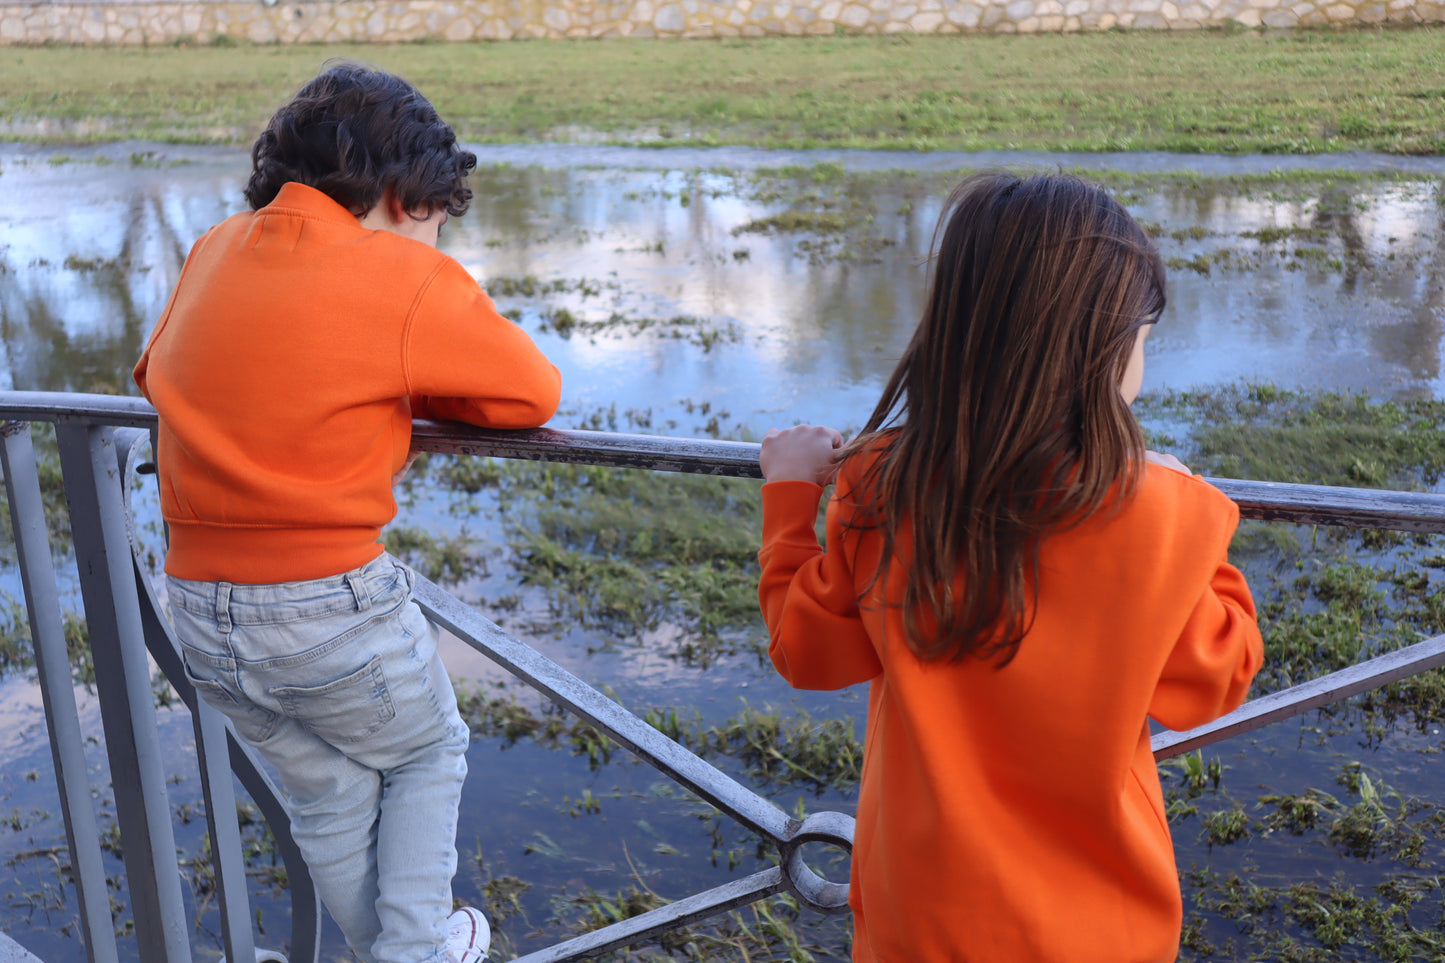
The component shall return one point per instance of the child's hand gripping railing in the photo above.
(123, 616)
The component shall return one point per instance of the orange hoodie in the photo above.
(1015, 815)
(287, 367)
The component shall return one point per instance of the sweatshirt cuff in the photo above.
(790, 508)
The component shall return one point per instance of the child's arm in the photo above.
(1215, 659)
(465, 362)
(808, 596)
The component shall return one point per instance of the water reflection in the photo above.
(1341, 289)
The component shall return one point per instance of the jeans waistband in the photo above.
(229, 602)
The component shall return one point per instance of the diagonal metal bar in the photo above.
(219, 753)
(564, 688)
(644, 926)
(305, 943)
(52, 666)
(127, 704)
(212, 754)
(1297, 700)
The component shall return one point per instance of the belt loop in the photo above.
(357, 584)
(223, 605)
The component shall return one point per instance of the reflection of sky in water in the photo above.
(90, 252)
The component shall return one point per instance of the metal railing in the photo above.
(99, 438)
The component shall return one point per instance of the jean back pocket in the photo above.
(348, 709)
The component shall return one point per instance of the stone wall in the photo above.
(270, 21)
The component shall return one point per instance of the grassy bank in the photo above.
(1304, 91)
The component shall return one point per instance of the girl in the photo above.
(1024, 585)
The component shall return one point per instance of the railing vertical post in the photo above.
(52, 665)
(127, 703)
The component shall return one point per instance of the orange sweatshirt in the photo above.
(1015, 815)
(287, 367)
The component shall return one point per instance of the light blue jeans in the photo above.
(337, 683)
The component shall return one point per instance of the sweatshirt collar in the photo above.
(297, 198)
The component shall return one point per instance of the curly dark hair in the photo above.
(355, 131)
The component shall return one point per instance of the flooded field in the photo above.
(721, 293)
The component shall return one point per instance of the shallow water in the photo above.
(1335, 286)
(1348, 297)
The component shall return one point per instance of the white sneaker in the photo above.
(468, 936)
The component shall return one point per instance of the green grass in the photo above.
(1301, 91)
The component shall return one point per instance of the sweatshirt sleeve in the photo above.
(141, 373)
(817, 636)
(1218, 652)
(465, 362)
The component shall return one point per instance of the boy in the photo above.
(301, 339)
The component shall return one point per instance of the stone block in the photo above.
(830, 10)
(1019, 9)
(928, 22)
(854, 15)
(1280, 18)
(1051, 24)
(968, 14)
(556, 18)
(670, 19)
(1248, 18)
(820, 28)
(1338, 12)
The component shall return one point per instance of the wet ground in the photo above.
(722, 292)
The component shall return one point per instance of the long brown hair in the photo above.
(1003, 422)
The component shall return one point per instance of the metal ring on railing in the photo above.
(815, 892)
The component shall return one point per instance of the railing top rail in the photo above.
(1272, 501)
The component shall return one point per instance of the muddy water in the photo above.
(720, 293)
